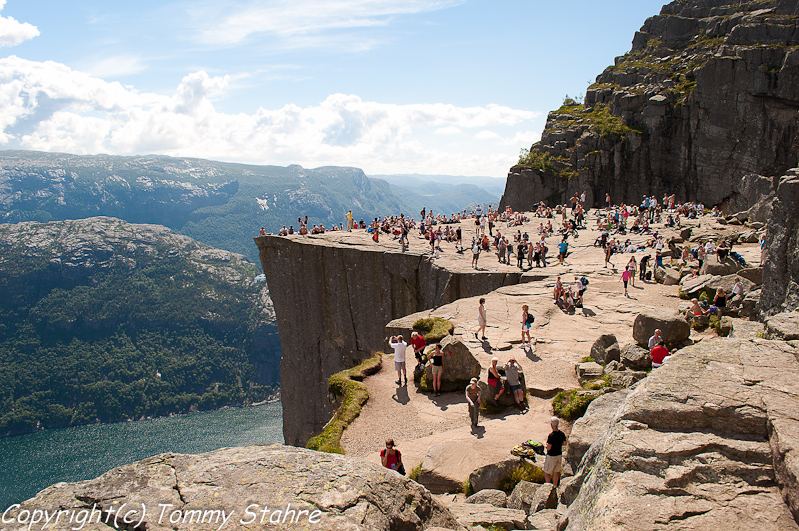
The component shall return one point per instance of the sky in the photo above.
(454, 87)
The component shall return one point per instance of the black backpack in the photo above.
(530, 318)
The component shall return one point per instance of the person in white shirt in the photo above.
(655, 339)
(710, 247)
(399, 345)
(737, 295)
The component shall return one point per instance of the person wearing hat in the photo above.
(512, 371)
(473, 399)
(554, 461)
(494, 379)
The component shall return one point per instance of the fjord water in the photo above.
(34, 461)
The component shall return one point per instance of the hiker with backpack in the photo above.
(527, 321)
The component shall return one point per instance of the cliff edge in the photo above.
(333, 296)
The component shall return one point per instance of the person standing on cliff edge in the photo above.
(399, 345)
(350, 221)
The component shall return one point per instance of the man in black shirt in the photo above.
(554, 461)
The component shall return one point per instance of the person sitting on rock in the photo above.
(512, 371)
(495, 379)
(719, 301)
(694, 311)
(659, 354)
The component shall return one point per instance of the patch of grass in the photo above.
(599, 383)
(569, 405)
(704, 297)
(681, 294)
(414, 474)
(433, 330)
(524, 471)
(466, 487)
(587, 359)
(346, 384)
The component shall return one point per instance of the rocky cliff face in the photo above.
(781, 268)
(708, 94)
(333, 301)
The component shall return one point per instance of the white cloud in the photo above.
(13, 32)
(486, 135)
(299, 20)
(47, 106)
(449, 130)
(115, 66)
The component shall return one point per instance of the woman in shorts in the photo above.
(526, 324)
(437, 367)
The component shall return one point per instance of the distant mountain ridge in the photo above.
(221, 204)
(106, 320)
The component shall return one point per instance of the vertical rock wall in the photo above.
(780, 290)
(333, 301)
(708, 94)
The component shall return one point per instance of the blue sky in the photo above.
(392, 86)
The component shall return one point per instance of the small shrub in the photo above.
(466, 487)
(346, 384)
(681, 294)
(587, 359)
(414, 475)
(569, 405)
(524, 471)
(704, 297)
(433, 330)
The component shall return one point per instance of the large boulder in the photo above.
(593, 425)
(605, 349)
(624, 379)
(750, 304)
(636, 357)
(546, 497)
(726, 284)
(494, 497)
(176, 491)
(752, 274)
(783, 326)
(588, 371)
(692, 286)
(460, 365)
(712, 266)
(433, 474)
(474, 514)
(673, 327)
(546, 519)
(490, 476)
(723, 409)
(522, 496)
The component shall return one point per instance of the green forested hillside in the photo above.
(101, 320)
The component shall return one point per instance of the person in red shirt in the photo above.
(659, 354)
(391, 457)
(418, 343)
